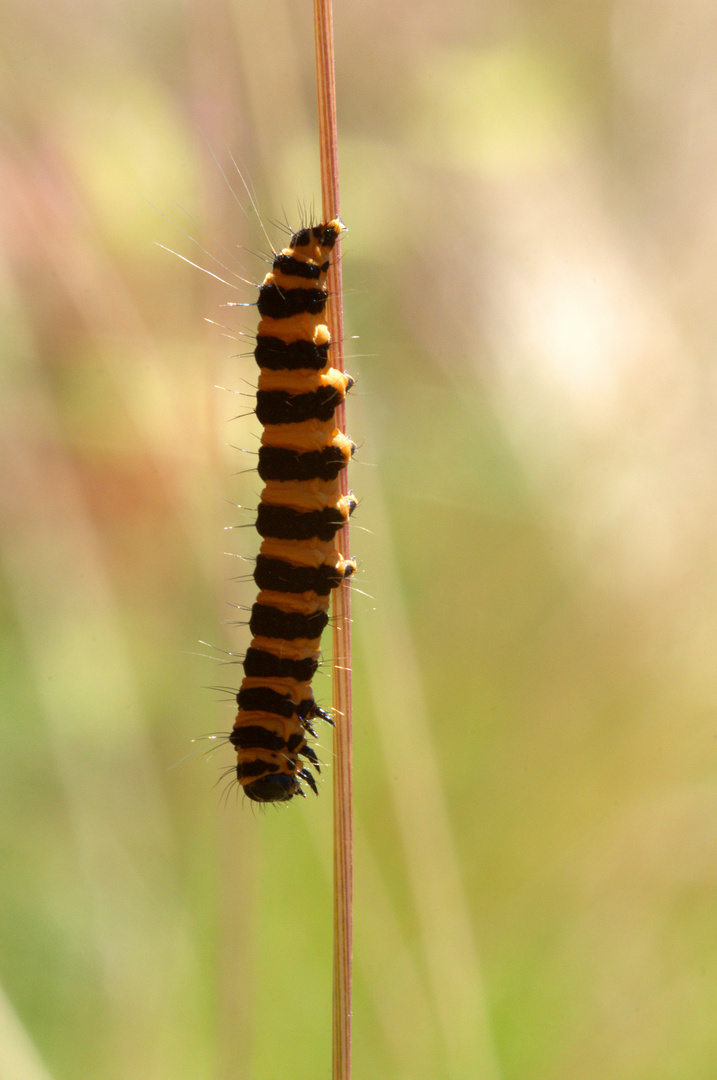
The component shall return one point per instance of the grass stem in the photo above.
(343, 795)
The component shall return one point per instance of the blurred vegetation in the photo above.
(529, 270)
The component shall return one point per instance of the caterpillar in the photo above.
(300, 512)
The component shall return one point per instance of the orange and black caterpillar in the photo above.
(300, 513)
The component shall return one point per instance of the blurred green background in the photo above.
(531, 197)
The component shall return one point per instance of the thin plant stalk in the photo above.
(343, 795)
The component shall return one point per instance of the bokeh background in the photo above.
(530, 272)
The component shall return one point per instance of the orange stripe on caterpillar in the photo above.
(299, 516)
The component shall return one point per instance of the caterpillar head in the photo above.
(278, 787)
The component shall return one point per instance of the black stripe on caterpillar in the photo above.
(285, 463)
(298, 518)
